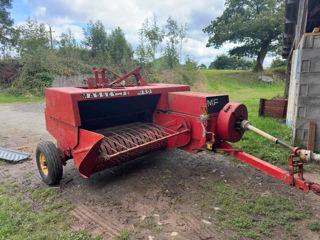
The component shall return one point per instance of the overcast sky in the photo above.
(129, 16)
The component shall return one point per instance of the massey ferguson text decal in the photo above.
(104, 94)
(144, 91)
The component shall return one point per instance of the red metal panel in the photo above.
(60, 105)
(65, 134)
(175, 122)
(193, 103)
(190, 141)
(86, 153)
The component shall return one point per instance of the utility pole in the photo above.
(51, 37)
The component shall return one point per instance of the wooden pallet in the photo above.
(273, 107)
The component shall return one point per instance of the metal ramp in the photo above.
(12, 155)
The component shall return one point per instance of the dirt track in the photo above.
(155, 192)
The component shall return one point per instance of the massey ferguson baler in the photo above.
(110, 122)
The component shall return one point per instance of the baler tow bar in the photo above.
(297, 159)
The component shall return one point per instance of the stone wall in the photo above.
(71, 81)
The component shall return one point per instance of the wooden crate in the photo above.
(273, 107)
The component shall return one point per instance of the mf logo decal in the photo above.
(144, 91)
(212, 102)
(216, 103)
(103, 94)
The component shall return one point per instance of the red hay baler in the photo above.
(110, 122)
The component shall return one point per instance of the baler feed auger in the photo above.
(112, 121)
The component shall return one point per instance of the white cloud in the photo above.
(76, 30)
(129, 16)
(40, 11)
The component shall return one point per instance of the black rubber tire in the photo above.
(53, 162)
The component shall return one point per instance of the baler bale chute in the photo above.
(109, 122)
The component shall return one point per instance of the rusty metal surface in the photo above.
(12, 155)
(130, 141)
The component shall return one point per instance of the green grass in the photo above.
(6, 98)
(244, 87)
(149, 224)
(45, 219)
(249, 214)
(124, 235)
(314, 226)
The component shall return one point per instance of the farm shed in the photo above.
(301, 48)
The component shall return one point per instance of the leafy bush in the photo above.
(227, 62)
(10, 70)
(34, 85)
(202, 66)
(279, 70)
(278, 63)
(190, 65)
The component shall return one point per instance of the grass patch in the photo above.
(248, 213)
(314, 226)
(46, 195)
(244, 87)
(28, 175)
(124, 235)
(6, 98)
(149, 224)
(20, 221)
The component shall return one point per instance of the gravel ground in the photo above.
(154, 196)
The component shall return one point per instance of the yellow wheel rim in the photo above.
(43, 164)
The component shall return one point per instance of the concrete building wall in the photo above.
(305, 90)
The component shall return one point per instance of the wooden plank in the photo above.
(275, 101)
(282, 105)
(261, 106)
(271, 114)
(273, 110)
(312, 135)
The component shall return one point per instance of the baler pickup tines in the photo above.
(129, 141)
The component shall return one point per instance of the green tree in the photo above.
(172, 34)
(68, 46)
(142, 51)
(151, 36)
(118, 48)
(7, 32)
(278, 63)
(32, 37)
(67, 40)
(39, 61)
(95, 37)
(190, 64)
(202, 66)
(254, 25)
(227, 62)
(182, 33)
